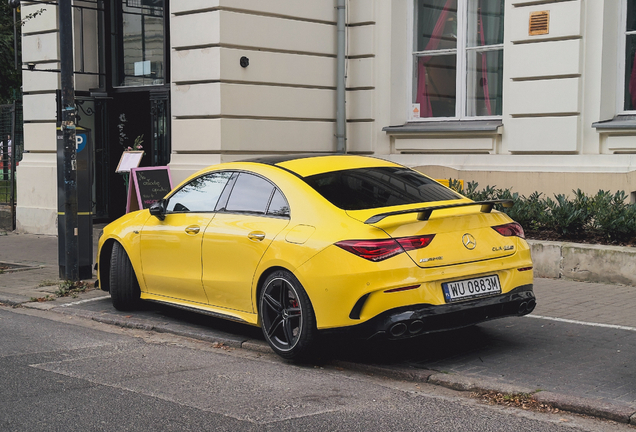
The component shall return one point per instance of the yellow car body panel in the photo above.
(170, 252)
(232, 265)
(227, 280)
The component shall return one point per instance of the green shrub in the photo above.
(568, 218)
(489, 193)
(604, 214)
(455, 185)
(530, 212)
(613, 219)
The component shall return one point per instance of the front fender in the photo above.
(124, 231)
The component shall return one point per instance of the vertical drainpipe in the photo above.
(341, 114)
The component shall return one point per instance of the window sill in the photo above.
(621, 122)
(454, 127)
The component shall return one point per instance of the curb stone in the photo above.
(462, 383)
(186, 331)
(622, 413)
(11, 302)
(419, 375)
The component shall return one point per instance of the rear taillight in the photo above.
(510, 230)
(412, 243)
(379, 250)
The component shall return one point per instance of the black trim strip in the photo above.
(425, 212)
(200, 311)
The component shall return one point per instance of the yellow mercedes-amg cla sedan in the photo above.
(307, 245)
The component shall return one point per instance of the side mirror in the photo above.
(158, 209)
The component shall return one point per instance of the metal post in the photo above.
(341, 115)
(15, 40)
(68, 143)
(14, 148)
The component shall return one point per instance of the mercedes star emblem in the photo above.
(469, 241)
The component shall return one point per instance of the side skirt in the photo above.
(205, 310)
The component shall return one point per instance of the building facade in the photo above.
(533, 95)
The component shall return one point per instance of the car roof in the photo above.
(305, 165)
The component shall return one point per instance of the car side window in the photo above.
(253, 194)
(200, 194)
(279, 205)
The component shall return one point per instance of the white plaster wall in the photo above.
(37, 81)
(45, 21)
(298, 9)
(378, 141)
(40, 47)
(39, 137)
(39, 107)
(184, 165)
(530, 104)
(283, 101)
(216, 63)
(265, 32)
(543, 134)
(543, 97)
(565, 20)
(244, 100)
(36, 212)
(401, 45)
(361, 73)
(445, 144)
(547, 59)
(600, 89)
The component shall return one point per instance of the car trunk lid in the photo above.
(463, 232)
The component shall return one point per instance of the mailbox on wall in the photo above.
(84, 165)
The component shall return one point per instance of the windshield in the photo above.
(370, 188)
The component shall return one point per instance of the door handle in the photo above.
(256, 236)
(192, 229)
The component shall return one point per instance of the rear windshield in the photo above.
(369, 188)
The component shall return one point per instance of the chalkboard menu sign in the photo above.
(147, 186)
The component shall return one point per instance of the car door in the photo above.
(237, 238)
(171, 248)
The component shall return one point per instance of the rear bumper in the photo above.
(410, 321)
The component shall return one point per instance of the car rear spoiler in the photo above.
(424, 213)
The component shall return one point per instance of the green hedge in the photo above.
(604, 215)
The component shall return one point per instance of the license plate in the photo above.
(471, 288)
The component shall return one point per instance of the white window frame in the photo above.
(461, 89)
(622, 46)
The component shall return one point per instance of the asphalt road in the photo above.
(61, 372)
(536, 354)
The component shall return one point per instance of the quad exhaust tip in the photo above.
(416, 326)
(527, 307)
(413, 327)
(398, 329)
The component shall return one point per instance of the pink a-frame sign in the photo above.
(147, 186)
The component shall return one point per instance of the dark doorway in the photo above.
(138, 120)
(129, 125)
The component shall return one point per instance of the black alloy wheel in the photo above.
(287, 317)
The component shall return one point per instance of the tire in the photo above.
(287, 317)
(124, 287)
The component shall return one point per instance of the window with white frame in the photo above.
(629, 77)
(458, 59)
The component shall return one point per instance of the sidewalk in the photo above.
(571, 344)
(33, 265)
